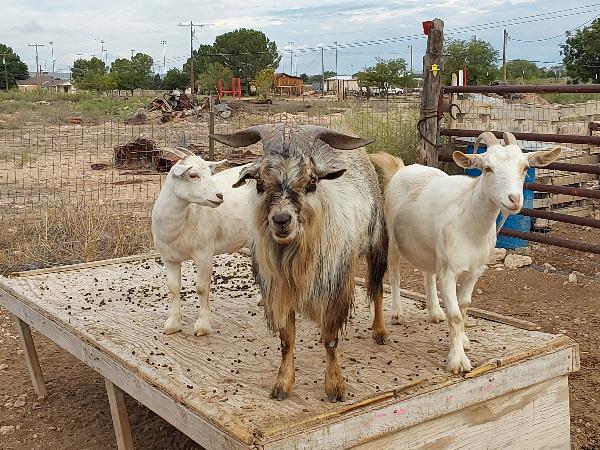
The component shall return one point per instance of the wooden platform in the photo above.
(216, 388)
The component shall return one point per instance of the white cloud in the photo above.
(76, 27)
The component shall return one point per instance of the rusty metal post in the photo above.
(211, 128)
(428, 124)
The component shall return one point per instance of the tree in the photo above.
(15, 68)
(478, 56)
(203, 57)
(264, 81)
(142, 70)
(123, 75)
(581, 53)
(176, 79)
(521, 68)
(209, 80)
(386, 74)
(90, 74)
(246, 52)
(132, 74)
(84, 67)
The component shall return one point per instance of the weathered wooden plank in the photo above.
(31, 358)
(411, 408)
(536, 417)
(118, 411)
(215, 388)
(197, 428)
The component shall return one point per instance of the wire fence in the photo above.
(63, 198)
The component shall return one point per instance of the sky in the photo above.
(364, 30)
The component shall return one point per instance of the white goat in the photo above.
(197, 215)
(446, 225)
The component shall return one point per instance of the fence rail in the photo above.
(506, 115)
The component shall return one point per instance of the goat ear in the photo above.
(214, 164)
(245, 174)
(180, 169)
(466, 161)
(543, 158)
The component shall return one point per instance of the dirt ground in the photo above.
(76, 416)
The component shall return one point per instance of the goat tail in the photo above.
(388, 164)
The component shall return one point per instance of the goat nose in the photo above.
(515, 198)
(282, 219)
(219, 195)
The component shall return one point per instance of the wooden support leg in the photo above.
(33, 364)
(118, 411)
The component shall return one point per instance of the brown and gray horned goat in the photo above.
(316, 208)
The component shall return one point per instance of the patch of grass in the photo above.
(71, 233)
(394, 133)
(569, 99)
(41, 106)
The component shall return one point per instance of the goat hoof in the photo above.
(437, 315)
(396, 319)
(202, 327)
(381, 338)
(458, 363)
(336, 393)
(171, 327)
(261, 300)
(279, 392)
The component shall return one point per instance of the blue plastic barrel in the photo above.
(517, 221)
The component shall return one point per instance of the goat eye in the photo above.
(488, 170)
(311, 186)
(194, 175)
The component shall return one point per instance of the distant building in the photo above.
(341, 85)
(288, 84)
(52, 84)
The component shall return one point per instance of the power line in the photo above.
(562, 35)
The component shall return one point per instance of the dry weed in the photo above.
(66, 234)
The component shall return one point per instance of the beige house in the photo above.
(47, 82)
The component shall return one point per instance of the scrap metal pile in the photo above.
(176, 106)
(145, 154)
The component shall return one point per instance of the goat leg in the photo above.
(287, 373)
(335, 386)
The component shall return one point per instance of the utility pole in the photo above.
(291, 57)
(164, 59)
(52, 44)
(322, 73)
(191, 25)
(505, 40)
(411, 60)
(102, 50)
(37, 62)
(5, 70)
(336, 68)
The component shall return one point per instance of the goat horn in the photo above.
(270, 134)
(509, 138)
(334, 139)
(488, 137)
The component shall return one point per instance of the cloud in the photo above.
(77, 27)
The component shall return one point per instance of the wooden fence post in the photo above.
(211, 128)
(428, 126)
